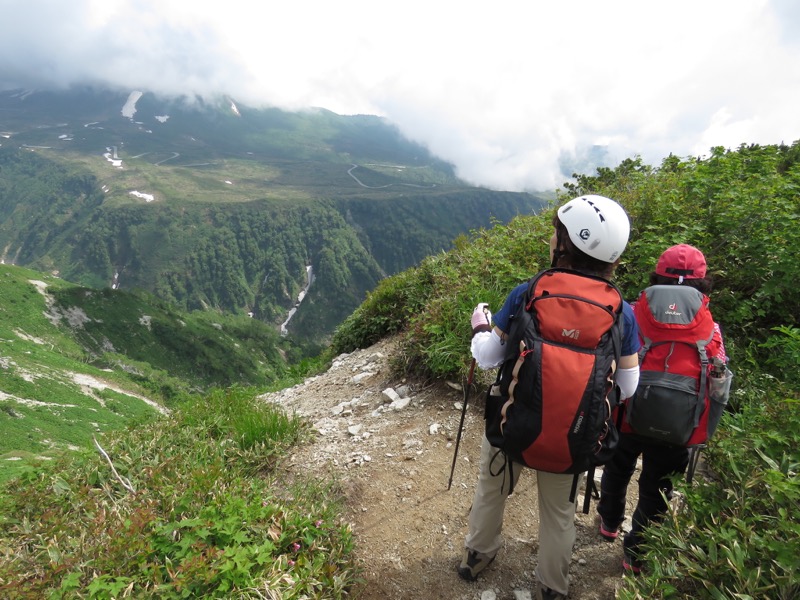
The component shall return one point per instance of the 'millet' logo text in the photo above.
(578, 423)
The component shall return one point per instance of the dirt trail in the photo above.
(393, 454)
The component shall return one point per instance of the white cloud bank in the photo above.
(507, 91)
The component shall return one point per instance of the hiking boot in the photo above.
(631, 566)
(472, 564)
(609, 533)
(545, 593)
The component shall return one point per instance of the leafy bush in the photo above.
(784, 355)
(738, 537)
(431, 304)
(739, 207)
(385, 311)
(176, 511)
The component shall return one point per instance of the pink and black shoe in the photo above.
(630, 566)
(608, 533)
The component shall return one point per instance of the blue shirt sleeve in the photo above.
(630, 341)
(510, 307)
(513, 303)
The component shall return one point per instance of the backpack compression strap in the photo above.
(701, 392)
(523, 351)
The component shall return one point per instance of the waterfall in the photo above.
(300, 296)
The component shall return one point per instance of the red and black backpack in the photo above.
(551, 405)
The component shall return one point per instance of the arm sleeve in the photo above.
(628, 380)
(488, 349)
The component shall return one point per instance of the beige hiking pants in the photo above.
(556, 517)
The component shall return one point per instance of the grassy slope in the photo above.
(74, 361)
(207, 153)
(192, 506)
(44, 408)
(736, 535)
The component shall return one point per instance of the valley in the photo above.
(224, 207)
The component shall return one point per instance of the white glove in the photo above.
(627, 380)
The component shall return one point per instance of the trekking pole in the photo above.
(694, 457)
(461, 424)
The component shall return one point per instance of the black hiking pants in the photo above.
(659, 464)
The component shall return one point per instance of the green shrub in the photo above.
(784, 353)
(738, 536)
(431, 305)
(739, 207)
(189, 506)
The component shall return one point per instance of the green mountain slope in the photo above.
(222, 206)
(74, 361)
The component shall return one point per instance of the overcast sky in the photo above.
(508, 91)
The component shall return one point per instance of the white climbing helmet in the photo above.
(597, 225)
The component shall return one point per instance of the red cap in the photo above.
(682, 261)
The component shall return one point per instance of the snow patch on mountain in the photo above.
(129, 109)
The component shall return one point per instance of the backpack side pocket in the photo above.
(493, 415)
(719, 391)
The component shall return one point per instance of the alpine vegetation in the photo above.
(734, 533)
(192, 504)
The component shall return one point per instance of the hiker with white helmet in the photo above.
(590, 234)
(682, 345)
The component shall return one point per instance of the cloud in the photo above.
(514, 93)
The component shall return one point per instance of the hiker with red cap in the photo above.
(680, 360)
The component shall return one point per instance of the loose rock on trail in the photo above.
(390, 443)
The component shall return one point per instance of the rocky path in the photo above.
(391, 445)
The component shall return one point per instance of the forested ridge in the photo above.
(241, 205)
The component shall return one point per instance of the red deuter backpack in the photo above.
(672, 403)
